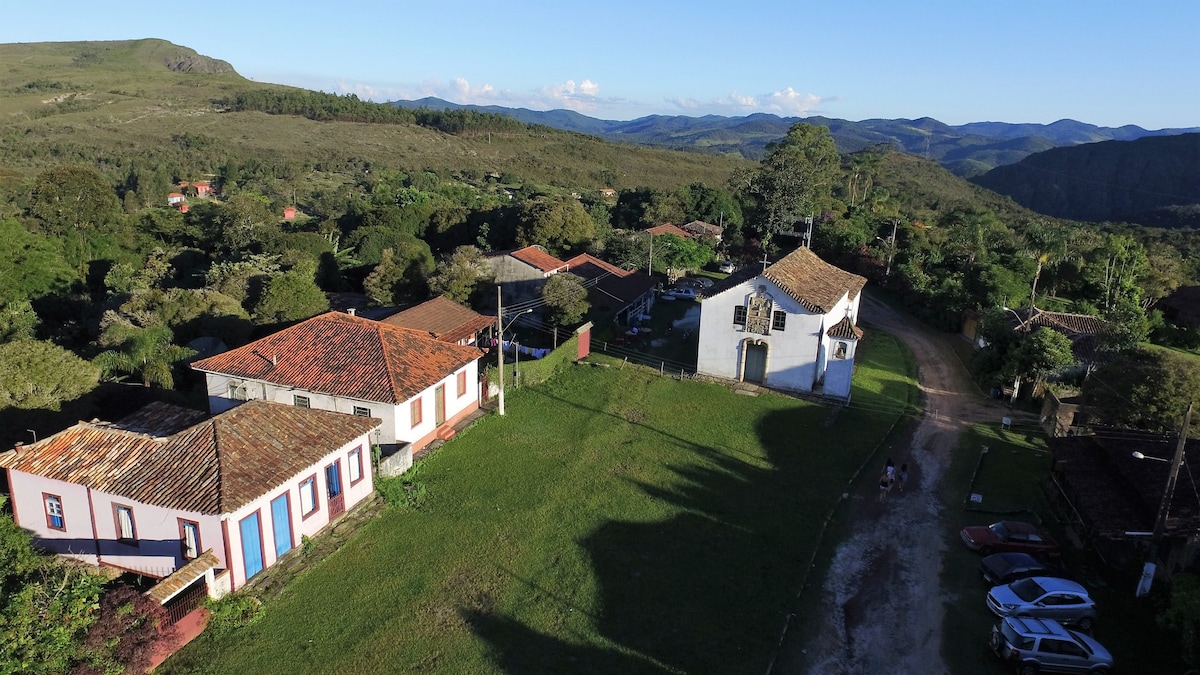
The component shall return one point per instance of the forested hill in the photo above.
(967, 150)
(1150, 181)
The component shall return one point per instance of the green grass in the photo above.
(613, 520)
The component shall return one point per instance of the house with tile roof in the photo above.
(668, 228)
(791, 326)
(698, 229)
(522, 273)
(444, 319)
(166, 486)
(417, 385)
(626, 293)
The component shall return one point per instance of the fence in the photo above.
(537, 371)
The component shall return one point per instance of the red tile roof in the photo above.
(590, 267)
(1030, 318)
(216, 466)
(844, 330)
(812, 282)
(701, 228)
(343, 355)
(668, 228)
(539, 258)
(442, 318)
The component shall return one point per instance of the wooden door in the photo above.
(756, 363)
(439, 405)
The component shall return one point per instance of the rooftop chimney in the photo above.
(18, 447)
(352, 311)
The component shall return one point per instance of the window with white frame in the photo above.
(739, 315)
(189, 538)
(840, 351)
(308, 496)
(237, 391)
(301, 401)
(362, 412)
(54, 512)
(126, 528)
(354, 465)
(778, 320)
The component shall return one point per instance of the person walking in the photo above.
(890, 469)
(885, 485)
(902, 477)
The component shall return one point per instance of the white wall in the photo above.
(794, 360)
(301, 526)
(29, 511)
(397, 421)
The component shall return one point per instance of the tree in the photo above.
(712, 205)
(796, 178)
(460, 276)
(560, 224)
(122, 639)
(1182, 615)
(566, 299)
(676, 254)
(289, 296)
(400, 275)
(41, 375)
(1039, 354)
(30, 265)
(1144, 389)
(18, 321)
(148, 352)
(243, 222)
(73, 198)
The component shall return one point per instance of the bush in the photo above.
(402, 491)
(233, 612)
(1183, 615)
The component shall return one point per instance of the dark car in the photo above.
(1009, 535)
(1005, 568)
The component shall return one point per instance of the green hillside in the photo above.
(110, 103)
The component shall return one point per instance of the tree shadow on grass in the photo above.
(706, 590)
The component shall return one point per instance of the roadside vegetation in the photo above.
(613, 520)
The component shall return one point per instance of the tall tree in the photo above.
(566, 299)
(74, 199)
(1144, 389)
(460, 275)
(289, 296)
(796, 178)
(560, 224)
(41, 375)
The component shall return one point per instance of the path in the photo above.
(881, 598)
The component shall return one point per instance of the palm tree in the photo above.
(149, 352)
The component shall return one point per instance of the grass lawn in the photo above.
(613, 520)
(1009, 479)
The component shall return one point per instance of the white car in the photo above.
(1044, 598)
(727, 267)
(680, 294)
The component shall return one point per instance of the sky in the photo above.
(1103, 62)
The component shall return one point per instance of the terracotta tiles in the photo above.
(668, 228)
(442, 318)
(539, 258)
(213, 467)
(590, 267)
(343, 355)
(813, 282)
(844, 330)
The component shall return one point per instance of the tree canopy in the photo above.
(41, 375)
(1146, 389)
(560, 224)
(796, 178)
(566, 299)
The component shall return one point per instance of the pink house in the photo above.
(168, 486)
(289, 213)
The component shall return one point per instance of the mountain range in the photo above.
(967, 149)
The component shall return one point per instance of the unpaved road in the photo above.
(882, 598)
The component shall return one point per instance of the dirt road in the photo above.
(881, 598)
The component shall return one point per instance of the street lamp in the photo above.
(1164, 507)
(500, 327)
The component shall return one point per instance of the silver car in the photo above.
(1037, 645)
(1044, 598)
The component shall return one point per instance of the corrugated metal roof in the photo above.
(213, 467)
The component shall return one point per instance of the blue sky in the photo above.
(1102, 62)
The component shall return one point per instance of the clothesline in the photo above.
(521, 349)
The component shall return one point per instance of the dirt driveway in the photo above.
(882, 599)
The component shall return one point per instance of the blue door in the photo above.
(281, 523)
(252, 553)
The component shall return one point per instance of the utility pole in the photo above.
(500, 343)
(1164, 508)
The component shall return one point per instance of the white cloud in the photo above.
(785, 103)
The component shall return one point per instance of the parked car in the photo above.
(1004, 568)
(1045, 645)
(697, 283)
(1009, 535)
(727, 267)
(1045, 598)
(679, 294)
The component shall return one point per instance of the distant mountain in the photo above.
(967, 150)
(1150, 181)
